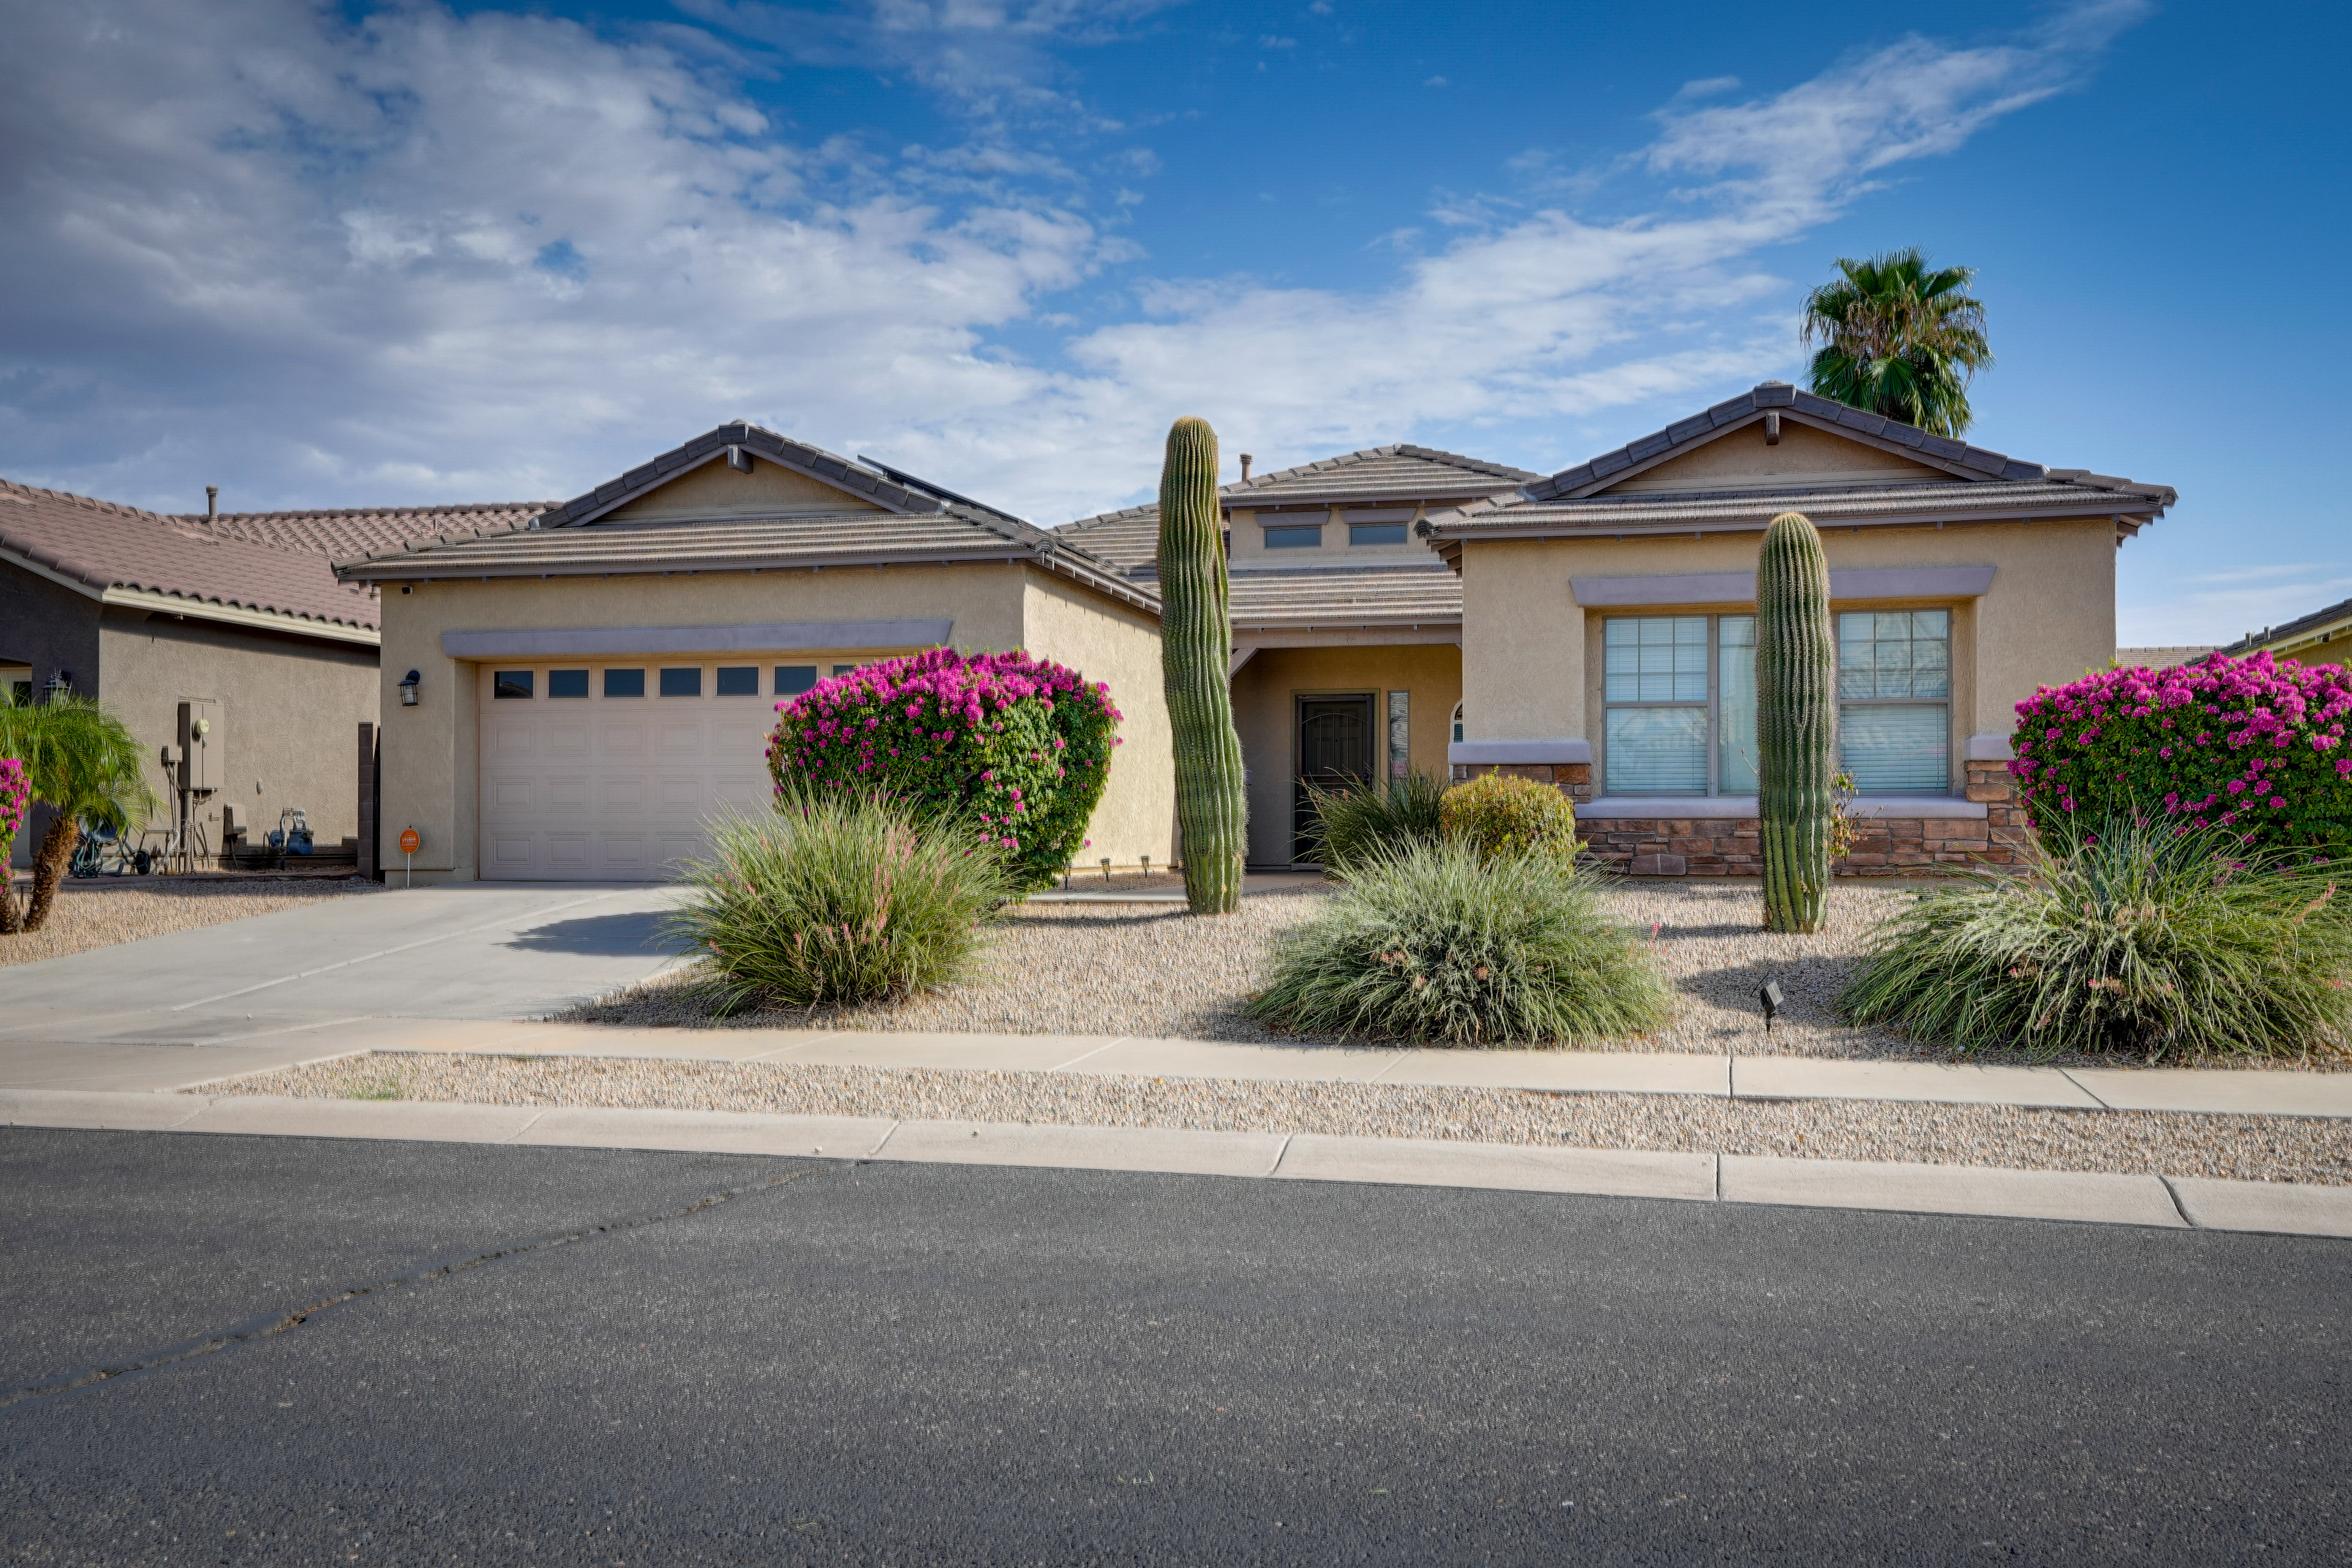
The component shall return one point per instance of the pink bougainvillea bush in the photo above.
(16, 794)
(1019, 746)
(2249, 746)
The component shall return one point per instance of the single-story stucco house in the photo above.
(1609, 625)
(585, 687)
(575, 695)
(237, 618)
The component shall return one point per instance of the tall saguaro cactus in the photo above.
(1796, 722)
(1196, 644)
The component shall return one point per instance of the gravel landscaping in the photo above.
(1153, 970)
(2246, 1148)
(105, 911)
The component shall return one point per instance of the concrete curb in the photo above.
(2174, 1203)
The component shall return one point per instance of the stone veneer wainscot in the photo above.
(1886, 843)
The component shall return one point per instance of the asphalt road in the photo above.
(911, 1365)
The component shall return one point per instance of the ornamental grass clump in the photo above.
(838, 900)
(2131, 936)
(1360, 821)
(1504, 814)
(2249, 746)
(1015, 747)
(1440, 944)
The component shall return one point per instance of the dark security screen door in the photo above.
(1335, 747)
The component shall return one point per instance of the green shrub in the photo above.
(1360, 821)
(837, 899)
(1438, 943)
(2128, 937)
(1502, 814)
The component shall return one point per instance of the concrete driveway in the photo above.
(471, 951)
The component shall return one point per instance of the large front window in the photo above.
(1679, 694)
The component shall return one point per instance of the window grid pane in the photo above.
(1735, 686)
(1895, 654)
(1654, 659)
(1896, 748)
(1657, 750)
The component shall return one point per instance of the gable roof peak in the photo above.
(1959, 459)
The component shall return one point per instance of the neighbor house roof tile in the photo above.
(100, 545)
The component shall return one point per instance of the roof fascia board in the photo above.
(1788, 413)
(236, 616)
(1600, 529)
(26, 563)
(418, 569)
(1425, 634)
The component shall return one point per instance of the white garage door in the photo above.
(609, 771)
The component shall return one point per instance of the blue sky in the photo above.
(360, 255)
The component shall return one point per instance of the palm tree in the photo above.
(84, 763)
(1899, 338)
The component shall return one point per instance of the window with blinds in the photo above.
(1679, 695)
(1895, 689)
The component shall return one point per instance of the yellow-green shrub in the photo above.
(1502, 815)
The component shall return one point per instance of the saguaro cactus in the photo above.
(1796, 722)
(1196, 645)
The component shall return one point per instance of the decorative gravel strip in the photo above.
(1154, 971)
(2244, 1148)
(104, 913)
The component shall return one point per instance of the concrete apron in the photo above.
(2168, 1202)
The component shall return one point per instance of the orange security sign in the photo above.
(409, 841)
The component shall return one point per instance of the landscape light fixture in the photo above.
(1106, 865)
(1769, 994)
(408, 685)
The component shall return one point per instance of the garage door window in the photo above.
(792, 680)
(625, 683)
(567, 683)
(682, 682)
(738, 681)
(513, 683)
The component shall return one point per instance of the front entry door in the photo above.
(1335, 748)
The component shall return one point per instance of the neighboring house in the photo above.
(2161, 658)
(1346, 629)
(1609, 625)
(592, 684)
(2322, 636)
(240, 616)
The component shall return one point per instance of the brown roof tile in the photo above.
(101, 545)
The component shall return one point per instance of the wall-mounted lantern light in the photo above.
(408, 685)
(60, 685)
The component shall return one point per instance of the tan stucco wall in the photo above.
(1264, 694)
(1736, 459)
(715, 489)
(289, 728)
(1248, 528)
(432, 768)
(1530, 653)
(1103, 640)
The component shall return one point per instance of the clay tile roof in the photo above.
(101, 546)
(1393, 475)
(1964, 462)
(919, 526)
(363, 531)
(1407, 594)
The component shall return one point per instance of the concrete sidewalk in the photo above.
(2164, 1202)
(150, 1051)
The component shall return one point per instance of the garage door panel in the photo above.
(615, 788)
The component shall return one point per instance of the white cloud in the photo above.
(499, 256)
(2224, 614)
